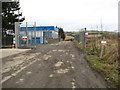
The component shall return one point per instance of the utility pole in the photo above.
(35, 34)
(84, 38)
(97, 40)
(103, 38)
(16, 34)
(27, 34)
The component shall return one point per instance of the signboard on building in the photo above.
(103, 42)
(24, 38)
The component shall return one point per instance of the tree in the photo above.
(61, 33)
(9, 17)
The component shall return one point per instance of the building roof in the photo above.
(39, 28)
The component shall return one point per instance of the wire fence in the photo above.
(80, 38)
(93, 43)
(90, 43)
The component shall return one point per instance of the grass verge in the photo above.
(78, 45)
(107, 70)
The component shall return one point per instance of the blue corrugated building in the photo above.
(42, 32)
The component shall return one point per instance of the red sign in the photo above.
(103, 43)
(24, 38)
(86, 34)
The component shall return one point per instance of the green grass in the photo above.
(78, 45)
(107, 70)
(68, 37)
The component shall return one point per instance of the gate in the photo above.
(80, 37)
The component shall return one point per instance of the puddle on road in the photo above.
(54, 50)
(62, 71)
(20, 81)
(58, 64)
(68, 61)
(29, 73)
(61, 50)
(66, 53)
(73, 83)
(17, 82)
(52, 44)
(72, 67)
(45, 57)
(14, 74)
(72, 55)
(37, 54)
(51, 75)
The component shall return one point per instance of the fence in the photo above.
(91, 42)
(80, 37)
(26, 37)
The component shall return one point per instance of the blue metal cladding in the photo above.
(33, 41)
(37, 40)
(29, 41)
(43, 37)
(39, 28)
(48, 34)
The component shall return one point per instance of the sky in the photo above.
(71, 15)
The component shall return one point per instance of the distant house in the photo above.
(42, 32)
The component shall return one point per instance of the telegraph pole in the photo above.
(16, 34)
(35, 34)
(102, 47)
(27, 34)
(97, 40)
(85, 38)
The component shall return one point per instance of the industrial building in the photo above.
(39, 34)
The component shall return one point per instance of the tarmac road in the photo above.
(59, 65)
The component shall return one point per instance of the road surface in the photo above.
(59, 65)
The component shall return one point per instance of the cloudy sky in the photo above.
(71, 15)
